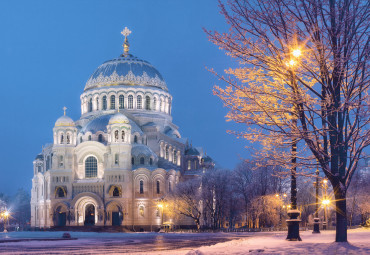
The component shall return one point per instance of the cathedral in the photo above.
(114, 165)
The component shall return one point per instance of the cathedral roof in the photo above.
(126, 70)
(64, 121)
(142, 149)
(100, 124)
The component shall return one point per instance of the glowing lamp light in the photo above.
(297, 53)
(160, 205)
(326, 202)
(277, 195)
(284, 195)
(6, 214)
(325, 181)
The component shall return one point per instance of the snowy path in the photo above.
(189, 244)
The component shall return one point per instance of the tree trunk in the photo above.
(341, 212)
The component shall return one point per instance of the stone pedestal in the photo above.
(316, 226)
(293, 225)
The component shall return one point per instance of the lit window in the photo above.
(189, 165)
(141, 211)
(91, 167)
(141, 187)
(104, 102)
(121, 101)
(112, 102)
(147, 103)
(139, 102)
(130, 102)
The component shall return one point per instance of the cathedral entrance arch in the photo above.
(89, 215)
(114, 213)
(86, 207)
(61, 216)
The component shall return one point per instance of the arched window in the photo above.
(150, 161)
(104, 102)
(61, 139)
(139, 103)
(112, 102)
(121, 101)
(160, 104)
(97, 104)
(141, 187)
(141, 211)
(169, 106)
(68, 139)
(135, 139)
(147, 103)
(166, 156)
(123, 136)
(175, 157)
(130, 102)
(142, 161)
(61, 160)
(154, 104)
(189, 165)
(116, 159)
(80, 139)
(158, 187)
(132, 161)
(90, 105)
(116, 192)
(100, 138)
(169, 187)
(91, 167)
(60, 192)
(116, 136)
(89, 138)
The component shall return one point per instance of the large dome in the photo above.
(126, 70)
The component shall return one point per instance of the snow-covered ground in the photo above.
(186, 243)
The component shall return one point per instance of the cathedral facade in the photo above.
(114, 165)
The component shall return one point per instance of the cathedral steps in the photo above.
(110, 229)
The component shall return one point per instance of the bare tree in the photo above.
(304, 77)
(186, 200)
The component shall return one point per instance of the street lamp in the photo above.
(325, 202)
(5, 215)
(316, 225)
(293, 213)
(161, 204)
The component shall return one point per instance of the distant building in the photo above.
(113, 165)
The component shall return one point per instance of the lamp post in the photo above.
(161, 205)
(325, 203)
(316, 224)
(293, 213)
(5, 216)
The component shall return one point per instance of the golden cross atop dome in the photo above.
(64, 109)
(126, 32)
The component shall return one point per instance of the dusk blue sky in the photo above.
(49, 49)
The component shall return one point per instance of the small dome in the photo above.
(64, 121)
(118, 118)
(100, 124)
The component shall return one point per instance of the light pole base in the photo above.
(324, 225)
(5, 231)
(316, 226)
(293, 226)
